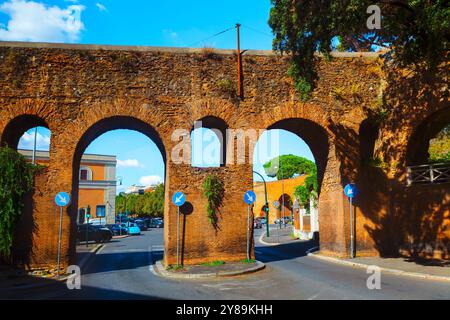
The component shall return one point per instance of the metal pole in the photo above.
(282, 195)
(267, 203)
(59, 238)
(239, 63)
(248, 233)
(33, 161)
(178, 237)
(352, 244)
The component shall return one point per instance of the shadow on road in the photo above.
(285, 251)
(107, 262)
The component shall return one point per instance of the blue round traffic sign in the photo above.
(249, 197)
(350, 190)
(179, 198)
(62, 199)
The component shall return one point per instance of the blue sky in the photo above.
(138, 22)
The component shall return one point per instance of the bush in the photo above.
(15, 181)
(213, 190)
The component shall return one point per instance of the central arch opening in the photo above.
(118, 190)
(289, 163)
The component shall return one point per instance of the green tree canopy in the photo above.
(286, 166)
(291, 165)
(417, 32)
(149, 204)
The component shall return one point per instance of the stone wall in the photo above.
(80, 92)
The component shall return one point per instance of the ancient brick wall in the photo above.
(80, 92)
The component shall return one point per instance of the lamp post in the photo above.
(282, 194)
(267, 203)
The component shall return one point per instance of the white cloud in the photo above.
(129, 163)
(150, 180)
(170, 35)
(101, 7)
(27, 141)
(36, 21)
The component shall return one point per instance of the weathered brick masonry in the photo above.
(80, 92)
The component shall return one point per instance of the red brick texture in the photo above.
(81, 92)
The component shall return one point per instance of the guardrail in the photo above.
(437, 173)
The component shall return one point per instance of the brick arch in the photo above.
(216, 124)
(212, 107)
(15, 128)
(419, 139)
(103, 125)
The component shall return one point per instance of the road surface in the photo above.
(123, 270)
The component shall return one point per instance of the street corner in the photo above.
(210, 270)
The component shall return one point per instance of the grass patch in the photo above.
(175, 267)
(248, 261)
(213, 263)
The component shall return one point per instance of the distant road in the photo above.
(122, 270)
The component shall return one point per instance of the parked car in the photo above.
(156, 223)
(93, 233)
(141, 224)
(133, 229)
(117, 229)
(257, 223)
(283, 220)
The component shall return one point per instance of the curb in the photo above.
(389, 270)
(267, 243)
(81, 264)
(120, 237)
(160, 270)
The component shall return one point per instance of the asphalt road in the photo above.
(123, 270)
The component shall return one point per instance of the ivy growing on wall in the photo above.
(16, 179)
(213, 190)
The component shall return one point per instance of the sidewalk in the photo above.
(11, 278)
(278, 236)
(398, 266)
(227, 269)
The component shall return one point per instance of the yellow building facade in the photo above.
(97, 185)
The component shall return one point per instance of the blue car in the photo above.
(133, 229)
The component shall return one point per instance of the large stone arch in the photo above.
(102, 126)
(313, 125)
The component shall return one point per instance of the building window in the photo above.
(85, 174)
(100, 212)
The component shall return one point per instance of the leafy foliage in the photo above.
(286, 166)
(440, 146)
(16, 180)
(150, 204)
(416, 32)
(214, 191)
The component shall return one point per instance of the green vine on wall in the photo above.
(16, 179)
(213, 190)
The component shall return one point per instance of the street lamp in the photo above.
(267, 203)
(282, 194)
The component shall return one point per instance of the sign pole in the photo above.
(178, 199)
(178, 237)
(249, 199)
(62, 199)
(352, 240)
(248, 232)
(351, 191)
(59, 238)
